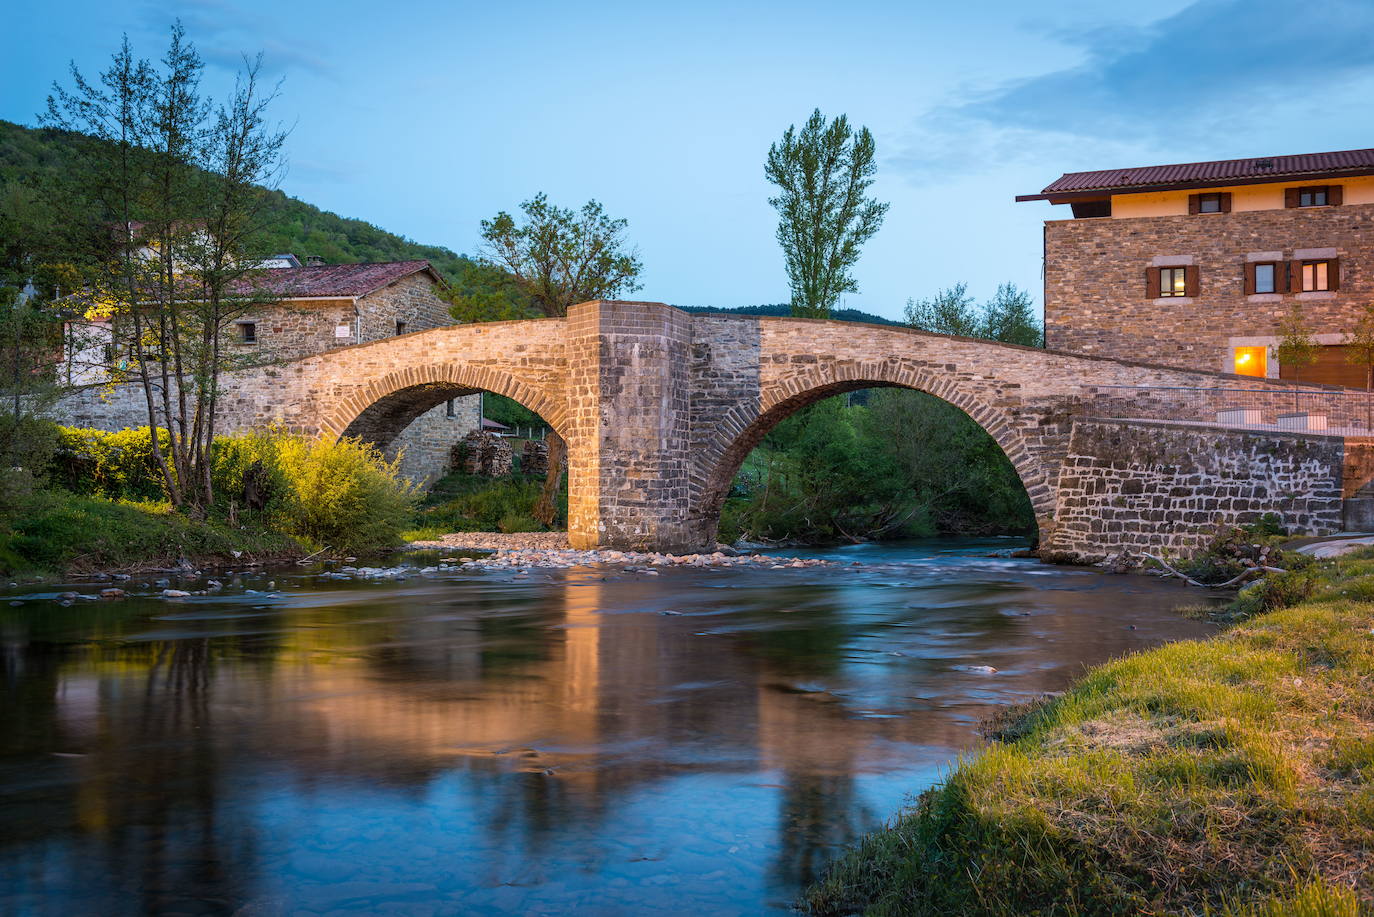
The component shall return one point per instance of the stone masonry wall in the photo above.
(630, 421)
(1162, 487)
(426, 444)
(1095, 300)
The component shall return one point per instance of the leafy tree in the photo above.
(1359, 344)
(164, 212)
(1295, 348)
(485, 292)
(824, 217)
(556, 258)
(560, 257)
(950, 311)
(1009, 317)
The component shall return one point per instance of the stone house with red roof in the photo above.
(1194, 265)
(323, 306)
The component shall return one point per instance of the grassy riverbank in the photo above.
(88, 500)
(1229, 776)
(61, 532)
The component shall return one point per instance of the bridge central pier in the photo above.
(629, 428)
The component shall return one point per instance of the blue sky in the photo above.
(425, 118)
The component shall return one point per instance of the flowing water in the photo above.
(585, 741)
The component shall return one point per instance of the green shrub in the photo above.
(27, 442)
(116, 465)
(472, 503)
(247, 477)
(518, 522)
(344, 495)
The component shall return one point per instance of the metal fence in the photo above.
(1298, 409)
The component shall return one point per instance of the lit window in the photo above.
(1251, 361)
(1316, 276)
(1173, 281)
(248, 332)
(1312, 197)
(1209, 203)
(1264, 278)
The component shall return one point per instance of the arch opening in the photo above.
(421, 414)
(902, 429)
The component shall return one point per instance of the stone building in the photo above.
(325, 306)
(1194, 265)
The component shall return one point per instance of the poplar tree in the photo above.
(824, 217)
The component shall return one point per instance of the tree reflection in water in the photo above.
(570, 742)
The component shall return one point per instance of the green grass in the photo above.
(1227, 776)
(473, 503)
(53, 532)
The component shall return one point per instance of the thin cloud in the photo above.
(1247, 68)
(225, 34)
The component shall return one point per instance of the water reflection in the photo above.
(698, 742)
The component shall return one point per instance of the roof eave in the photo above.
(1065, 197)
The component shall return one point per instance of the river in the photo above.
(584, 741)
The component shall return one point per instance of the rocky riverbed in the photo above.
(531, 550)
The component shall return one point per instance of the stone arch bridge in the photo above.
(659, 408)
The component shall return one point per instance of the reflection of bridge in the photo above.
(659, 408)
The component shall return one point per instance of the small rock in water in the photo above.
(112, 593)
(174, 593)
(977, 669)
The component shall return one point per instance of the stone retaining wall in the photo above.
(1159, 487)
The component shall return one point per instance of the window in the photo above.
(248, 332)
(1173, 281)
(1312, 197)
(1251, 361)
(451, 412)
(1091, 209)
(1264, 278)
(400, 327)
(1316, 276)
(1210, 202)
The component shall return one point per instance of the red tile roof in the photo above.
(326, 280)
(1256, 170)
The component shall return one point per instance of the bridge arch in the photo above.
(745, 425)
(380, 409)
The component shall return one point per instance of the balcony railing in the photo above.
(1299, 409)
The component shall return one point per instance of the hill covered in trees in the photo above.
(783, 309)
(32, 158)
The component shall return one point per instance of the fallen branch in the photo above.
(306, 559)
(1249, 571)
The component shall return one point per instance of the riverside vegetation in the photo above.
(91, 500)
(1230, 776)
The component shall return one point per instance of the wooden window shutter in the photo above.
(1225, 201)
(1194, 203)
(1334, 196)
(1152, 283)
(1333, 274)
(1290, 197)
(1190, 280)
(1249, 278)
(1295, 277)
